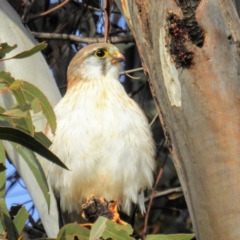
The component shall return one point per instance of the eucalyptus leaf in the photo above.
(18, 136)
(17, 111)
(36, 105)
(115, 232)
(20, 220)
(16, 85)
(70, 231)
(2, 169)
(6, 224)
(39, 47)
(98, 228)
(20, 98)
(6, 78)
(2, 172)
(42, 138)
(36, 168)
(5, 48)
(31, 92)
(170, 237)
(2, 110)
(14, 122)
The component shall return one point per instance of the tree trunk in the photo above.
(34, 70)
(193, 66)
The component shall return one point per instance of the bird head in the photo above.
(94, 62)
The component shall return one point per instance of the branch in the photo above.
(152, 197)
(49, 11)
(166, 192)
(154, 119)
(122, 73)
(71, 37)
(94, 8)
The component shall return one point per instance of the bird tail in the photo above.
(141, 202)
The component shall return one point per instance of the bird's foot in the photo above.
(96, 207)
(113, 208)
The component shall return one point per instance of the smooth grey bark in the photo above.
(35, 70)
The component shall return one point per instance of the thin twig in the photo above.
(131, 94)
(26, 10)
(151, 198)
(122, 73)
(49, 11)
(134, 78)
(132, 70)
(71, 37)
(63, 25)
(166, 192)
(107, 4)
(58, 59)
(94, 8)
(154, 119)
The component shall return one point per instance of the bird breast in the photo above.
(104, 139)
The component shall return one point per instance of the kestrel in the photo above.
(102, 135)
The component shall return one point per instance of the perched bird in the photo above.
(102, 135)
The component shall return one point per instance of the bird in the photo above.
(102, 135)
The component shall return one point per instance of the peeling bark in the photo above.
(198, 99)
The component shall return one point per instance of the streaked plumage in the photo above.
(102, 135)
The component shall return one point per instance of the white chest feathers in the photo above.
(104, 139)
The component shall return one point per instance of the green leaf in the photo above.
(39, 47)
(70, 231)
(20, 220)
(42, 138)
(2, 173)
(2, 169)
(16, 85)
(6, 78)
(50, 239)
(98, 228)
(27, 94)
(17, 111)
(2, 110)
(170, 237)
(6, 225)
(18, 117)
(20, 98)
(31, 92)
(116, 231)
(126, 228)
(17, 123)
(36, 168)
(36, 105)
(18, 136)
(5, 48)
(14, 210)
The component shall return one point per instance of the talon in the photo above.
(113, 209)
(95, 207)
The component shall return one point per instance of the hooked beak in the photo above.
(117, 58)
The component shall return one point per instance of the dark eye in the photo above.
(100, 53)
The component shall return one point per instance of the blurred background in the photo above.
(83, 22)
